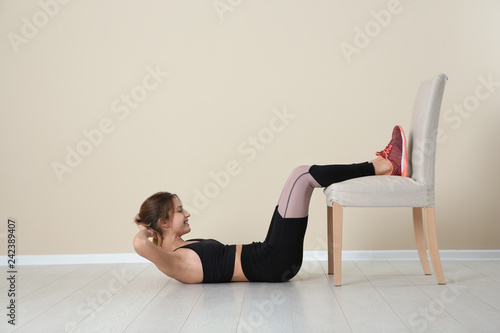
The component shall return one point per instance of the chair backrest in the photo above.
(424, 128)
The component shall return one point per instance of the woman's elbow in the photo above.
(139, 245)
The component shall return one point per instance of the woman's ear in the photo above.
(162, 224)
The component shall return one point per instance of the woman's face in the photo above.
(179, 220)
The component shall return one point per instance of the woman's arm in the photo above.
(169, 263)
(142, 245)
(165, 261)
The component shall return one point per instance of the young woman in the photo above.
(279, 257)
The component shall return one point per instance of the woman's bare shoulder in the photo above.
(183, 265)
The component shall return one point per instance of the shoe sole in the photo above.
(404, 157)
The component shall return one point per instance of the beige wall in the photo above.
(66, 69)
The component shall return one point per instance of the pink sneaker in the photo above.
(395, 152)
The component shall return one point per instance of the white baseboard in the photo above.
(69, 259)
(407, 255)
(113, 258)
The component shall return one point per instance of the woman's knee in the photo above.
(300, 170)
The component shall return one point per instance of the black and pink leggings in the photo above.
(279, 257)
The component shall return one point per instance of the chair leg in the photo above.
(337, 242)
(329, 231)
(430, 228)
(418, 226)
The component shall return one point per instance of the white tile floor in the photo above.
(376, 296)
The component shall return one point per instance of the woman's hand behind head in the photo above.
(147, 230)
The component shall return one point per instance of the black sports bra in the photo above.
(216, 258)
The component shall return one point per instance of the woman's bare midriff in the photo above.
(238, 271)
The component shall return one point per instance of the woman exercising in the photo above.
(279, 257)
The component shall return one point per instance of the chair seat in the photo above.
(380, 191)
